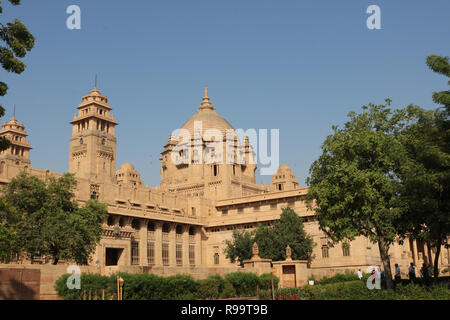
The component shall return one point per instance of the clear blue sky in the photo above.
(299, 66)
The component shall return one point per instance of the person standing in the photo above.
(360, 275)
(412, 272)
(398, 274)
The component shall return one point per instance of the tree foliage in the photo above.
(355, 181)
(16, 42)
(44, 219)
(425, 174)
(272, 241)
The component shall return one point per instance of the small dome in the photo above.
(126, 166)
(284, 167)
(95, 92)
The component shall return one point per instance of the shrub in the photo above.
(244, 284)
(228, 290)
(210, 288)
(265, 281)
(93, 282)
(340, 277)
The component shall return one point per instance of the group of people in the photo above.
(425, 271)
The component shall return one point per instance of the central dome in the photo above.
(209, 118)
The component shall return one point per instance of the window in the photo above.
(234, 169)
(151, 226)
(151, 253)
(256, 208)
(103, 142)
(192, 255)
(179, 254)
(165, 254)
(165, 228)
(134, 252)
(121, 222)
(280, 186)
(346, 249)
(215, 170)
(240, 210)
(273, 206)
(224, 212)
(192, 231)
(324, 251)
(81, 141)
(216, 258)
(135, 224)
(110, 221)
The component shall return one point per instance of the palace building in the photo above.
(181, 225)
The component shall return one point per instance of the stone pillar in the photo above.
(143, 242)
(198, 246)
(172, 246)
(158, 244)
(186, 246)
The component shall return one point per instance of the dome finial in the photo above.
(206, 104)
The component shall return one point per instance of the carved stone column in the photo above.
(172, 246)
(143, 243)
(158, 244)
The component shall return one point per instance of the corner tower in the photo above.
(93, 141)
(19, 151)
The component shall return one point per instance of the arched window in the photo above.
(81, 140)
(165, 228)
(192, 231)
(110, 221)
(216, 258)
(179, 229)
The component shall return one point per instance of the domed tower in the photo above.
(127, 175)
(93, 141)
(19, 151)
(284, 179)
(206, 157)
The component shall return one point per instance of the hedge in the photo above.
(357, 290)
(178, 287)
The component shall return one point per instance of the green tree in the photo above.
(46, 220)
(272, 241)
(17, 41)
(239, 247)
(288, 231)
(354, 183)
(426, 172)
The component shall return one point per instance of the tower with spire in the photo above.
(18, 154)
(93, 141)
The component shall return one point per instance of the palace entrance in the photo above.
(113, 256)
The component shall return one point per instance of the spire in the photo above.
(95, 83)
(206, 104)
